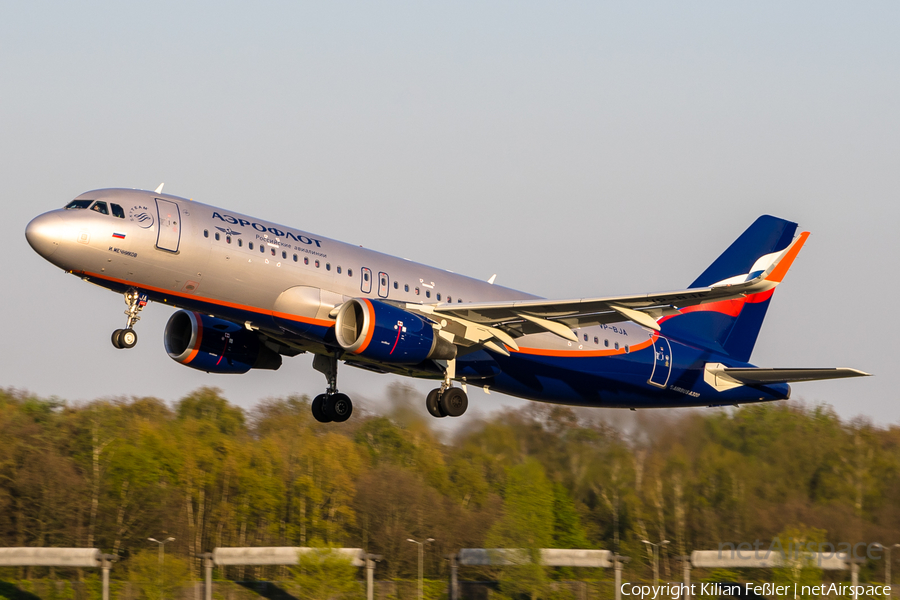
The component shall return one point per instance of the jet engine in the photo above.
(383, 332)
(215, 345)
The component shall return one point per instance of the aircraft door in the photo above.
(366, 285)
(662, 363)
(169, 233)
(383, 284)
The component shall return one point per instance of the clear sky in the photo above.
(576, 149)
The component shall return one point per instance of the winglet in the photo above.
(159, 189)
(782, 266)
(491, 280)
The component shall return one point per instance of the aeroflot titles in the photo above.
(262, 228)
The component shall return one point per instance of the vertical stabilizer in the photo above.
(733, 326)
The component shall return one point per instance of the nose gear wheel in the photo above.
(127, 338)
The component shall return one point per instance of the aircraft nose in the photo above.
(44, 233)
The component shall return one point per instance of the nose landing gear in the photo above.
(332, 405)
(127, 338)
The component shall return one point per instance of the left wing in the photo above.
(495, 324)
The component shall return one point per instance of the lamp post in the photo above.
(421, 557)
(656, 548)
(162, 545)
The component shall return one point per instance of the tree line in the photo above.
(113, 472)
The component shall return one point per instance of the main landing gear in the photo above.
(332, 405)
(127, 338)
(447, 401)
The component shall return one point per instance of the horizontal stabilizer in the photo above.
(724, 378)
(790, 375)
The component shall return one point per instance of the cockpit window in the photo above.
(100, 207)
(78, 204)
(117, 211)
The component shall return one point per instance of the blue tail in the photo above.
(732, 327)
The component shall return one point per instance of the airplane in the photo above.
(250, 292)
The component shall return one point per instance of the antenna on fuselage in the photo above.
(491, 280)
(159, 189)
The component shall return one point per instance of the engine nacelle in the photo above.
(383, 332)
(216, 346)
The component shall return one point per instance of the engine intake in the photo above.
(383, 332)
(215, 345)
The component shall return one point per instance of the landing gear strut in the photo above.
(447, 401)
(127, 338)
(332, 405)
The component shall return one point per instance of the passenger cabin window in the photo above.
(295, 258)
(262, 249)
(327, 266)
(585, 337)
(240, 242)
(218, 237)
(206, 233)
(417, 291)
(305, 260)
(272, 251)
(339, 269)
(283, 254)
(617, 345)
(406, 287)
(349, 272)
(396, 286)
(459, 300)
(596, 340)
(78, 204)
(428, 293)
(100, 207)
(449, 299)
(250, 245)
(228, 238)
(117, 211)
(606, 343)
(439, 297)
(317, 264)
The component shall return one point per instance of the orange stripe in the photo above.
(254, 309)
(196, 349)
(781, 269)
(583, 353)
(371, 331)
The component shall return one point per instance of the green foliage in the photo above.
(207, 405)
(526, 525)
(324, 574)
(567, 530)
(798, 567)
(155, 581)
(111, 472)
